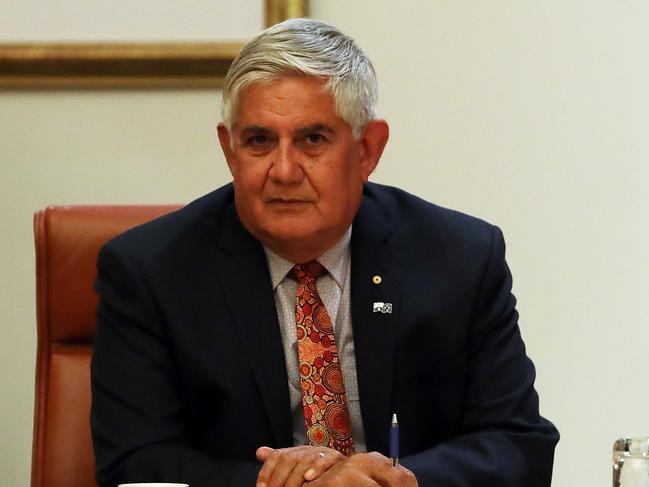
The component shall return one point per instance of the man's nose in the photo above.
(286, 165)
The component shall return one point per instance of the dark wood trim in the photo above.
(127, 65)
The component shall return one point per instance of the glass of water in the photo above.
(631, 462)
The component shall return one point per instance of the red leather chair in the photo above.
(67, 241)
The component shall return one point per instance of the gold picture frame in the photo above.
(128, 65)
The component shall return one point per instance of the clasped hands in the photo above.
(312, 466)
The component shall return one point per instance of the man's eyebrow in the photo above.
(255, 129)
(316, 127)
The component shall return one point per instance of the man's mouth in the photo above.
(287, 204)
(287, 201)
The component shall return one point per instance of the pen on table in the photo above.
(394, 440)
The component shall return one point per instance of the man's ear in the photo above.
(373, 139)
(225, 138)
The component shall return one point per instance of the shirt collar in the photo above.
(335, 260)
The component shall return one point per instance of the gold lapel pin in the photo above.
(377, 280)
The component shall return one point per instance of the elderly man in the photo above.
(266, 333)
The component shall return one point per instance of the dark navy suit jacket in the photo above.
(188, 372)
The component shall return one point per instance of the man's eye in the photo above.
(257, 140)
(314, 139)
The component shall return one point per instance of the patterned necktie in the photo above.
(323, 392)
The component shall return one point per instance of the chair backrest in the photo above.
(67, 240)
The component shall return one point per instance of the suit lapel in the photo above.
(243, 273)
(374, 332)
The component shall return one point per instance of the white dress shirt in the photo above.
(334, 290)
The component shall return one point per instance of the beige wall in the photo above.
(533, 115)
(144, 20)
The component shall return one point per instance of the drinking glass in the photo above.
(631, 462)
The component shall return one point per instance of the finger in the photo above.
(386, 475)
(324, 462)
(263, 452)
(306, 462)
(288, 460)
(346, 474)
(287, 466)
(377, 457)
(266, 472)
(398, 476)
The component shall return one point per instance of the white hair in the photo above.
(306, 47)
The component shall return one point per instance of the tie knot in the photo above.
(307, 272)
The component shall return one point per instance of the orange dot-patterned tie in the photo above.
(326, 414)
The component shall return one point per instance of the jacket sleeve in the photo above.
(137, 417)
(503, 441)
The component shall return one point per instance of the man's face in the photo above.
(298, 172)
